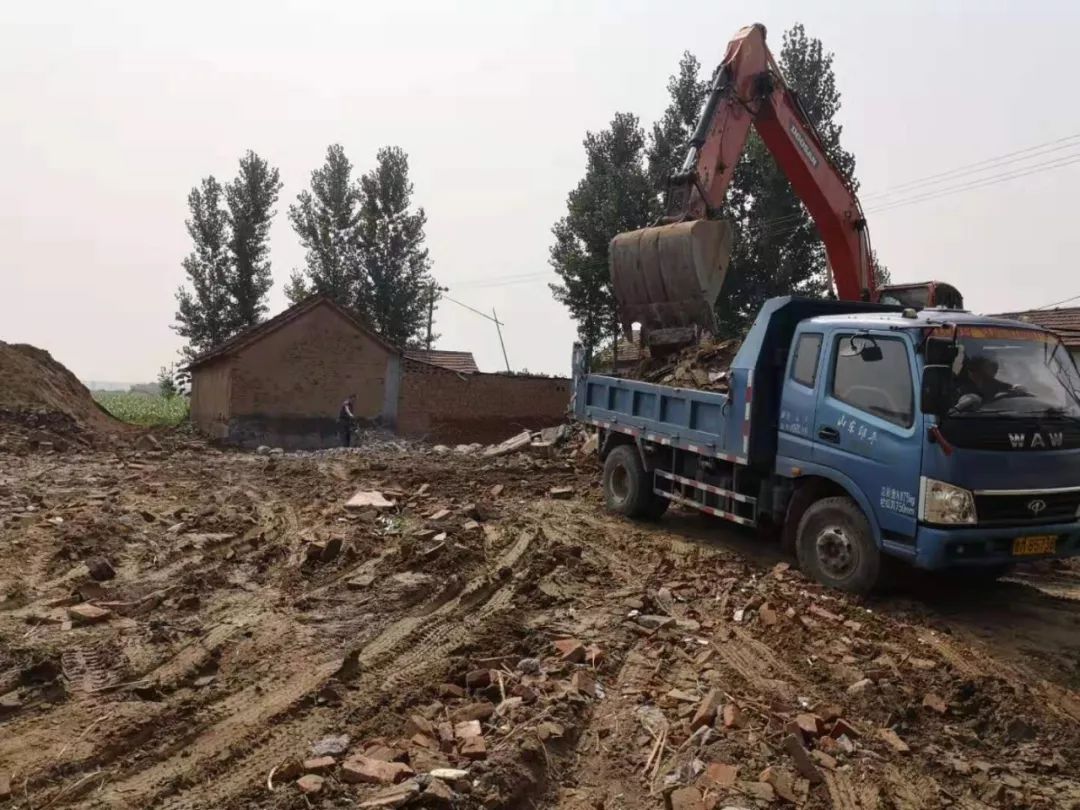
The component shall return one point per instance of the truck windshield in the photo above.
(1014, 372)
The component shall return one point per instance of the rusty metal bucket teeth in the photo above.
(670, 275)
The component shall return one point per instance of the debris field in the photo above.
(403, 626)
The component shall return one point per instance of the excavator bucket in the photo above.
(668, 277)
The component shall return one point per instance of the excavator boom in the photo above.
(667, 277)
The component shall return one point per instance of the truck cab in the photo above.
(860, 431)
(957, 437)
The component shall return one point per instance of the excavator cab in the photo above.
(924, 295)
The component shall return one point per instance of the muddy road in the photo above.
(184, 628)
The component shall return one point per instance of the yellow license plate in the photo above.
(1036, 544)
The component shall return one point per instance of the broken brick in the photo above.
(393, 797)
(474, 748)
(733, 717)
(706, 710)
(561, 493)
(467, 728)
(418, 724)
(549, 730)
(319, 764)
(478, 679)
(935, 703)
(474, 711)
(686, 798)
(823, 759)
(383, 752)
(439, 794)
(810, 725)
(860, 686)
(781, 782)
(722, 774)
(571, 650)
(446, 736)
(893, 741)
(360, 768)
(88, 614)
(309, 783)
(842, 728)
(768, 616)
(803, 764)
(584, 683)
(451, 690)
(442, 514)
(829, 712)
(759, 790)
(825, 614)
(422, 741)
(496, 490)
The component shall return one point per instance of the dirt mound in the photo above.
(39, 395)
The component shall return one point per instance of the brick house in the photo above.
(1065, 322)
(281, 383)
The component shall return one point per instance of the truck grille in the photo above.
(1030, 509)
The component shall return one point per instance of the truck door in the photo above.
(865, 427)
(799, 401)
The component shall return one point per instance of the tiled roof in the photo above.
(259, 331)
(462, 362)
(1064, 321)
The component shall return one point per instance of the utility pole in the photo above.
(498, 328)
(432, 289)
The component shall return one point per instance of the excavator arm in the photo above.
(667, 277)
(749, 90)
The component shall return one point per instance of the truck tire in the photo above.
(628, 487)
(836, 547)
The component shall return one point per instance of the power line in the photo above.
(1057, 303)
(472, 309)
(993, 180)
(982, 165)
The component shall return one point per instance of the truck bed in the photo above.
(710, 423)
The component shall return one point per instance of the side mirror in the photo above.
(937, 388)
(870, 353)
(940, 351)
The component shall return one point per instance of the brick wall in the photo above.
(210, 398)
(460, 408)
(307, 367)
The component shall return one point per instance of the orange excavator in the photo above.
(667, 277)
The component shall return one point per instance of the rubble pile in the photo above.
(703, 366)
(411, 628)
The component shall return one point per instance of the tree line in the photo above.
(363, 242)
(777, 249)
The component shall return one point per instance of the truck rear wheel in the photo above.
(836, 547)
(628, 486)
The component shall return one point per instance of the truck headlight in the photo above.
(945, 503)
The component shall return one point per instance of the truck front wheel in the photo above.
(628, 486)
(836, 547)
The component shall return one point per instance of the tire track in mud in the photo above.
(260, 727)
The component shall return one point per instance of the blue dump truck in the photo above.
(858, 432)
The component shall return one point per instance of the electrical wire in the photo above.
(1058, 303)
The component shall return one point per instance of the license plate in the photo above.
(1036, 544)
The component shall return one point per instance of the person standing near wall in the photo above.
(346, 417)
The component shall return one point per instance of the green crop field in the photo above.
(143, 409)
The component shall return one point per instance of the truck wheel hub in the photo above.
(836, 552)
(620, 483)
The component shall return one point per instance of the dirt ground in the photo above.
(188, 628)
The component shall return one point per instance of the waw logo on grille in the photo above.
(1035, 441)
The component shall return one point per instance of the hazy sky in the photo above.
(112, 111)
